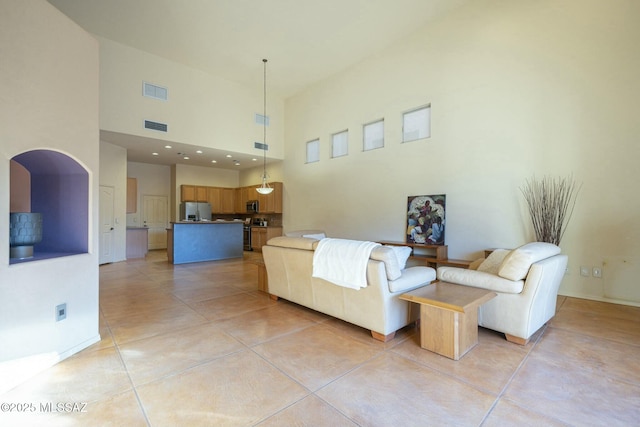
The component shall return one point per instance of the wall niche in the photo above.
(57, 187)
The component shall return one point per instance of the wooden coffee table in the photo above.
(448, 316)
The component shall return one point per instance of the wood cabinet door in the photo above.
(228, 200)
(272, 232)
(240, 200)
(271, 203)
(202, 193)
(215, 199)
(277, 197)
(132, 195)
(187, 193)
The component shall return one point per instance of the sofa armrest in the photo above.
(479, 279)
(411, 278)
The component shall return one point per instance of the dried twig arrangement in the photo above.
(551, 202)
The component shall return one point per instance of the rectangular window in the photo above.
(340, 144)
(313, 151)
(373, 135)
(416, 124)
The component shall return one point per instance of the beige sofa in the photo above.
(526, 281)
(289, 263)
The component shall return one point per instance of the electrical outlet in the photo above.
(585, 271)
(597, 272)
(61, 312)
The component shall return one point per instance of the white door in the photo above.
(107, 242)
(155, 215)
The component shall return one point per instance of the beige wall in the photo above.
(49, 85)
(201, 109)
(152, 180)
(517, 89)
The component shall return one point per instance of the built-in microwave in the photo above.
(252, 206)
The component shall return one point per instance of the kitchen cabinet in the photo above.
(193, 193)
(240, 200)
(215, 199)
(270, 203)
(260, 236)
(228, 197)
(132, 195)
(222, 200)
(226, 200)
(137, 242)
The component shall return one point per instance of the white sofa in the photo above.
(526, 281)
(289, 263)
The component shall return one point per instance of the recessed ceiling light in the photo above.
(229, 156)
(167, 146)
(186, 157)
(199, 151)
(154, 154)
(214, 161)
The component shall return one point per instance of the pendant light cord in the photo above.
(264, 123)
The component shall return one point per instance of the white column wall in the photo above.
(48, 100)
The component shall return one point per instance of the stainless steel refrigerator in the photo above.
(195, 211)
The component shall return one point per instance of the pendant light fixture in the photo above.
(264, 188)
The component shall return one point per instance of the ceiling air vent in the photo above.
(154, 91)
(261, 146)
(162, 127)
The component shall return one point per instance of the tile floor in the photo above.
(198, 345)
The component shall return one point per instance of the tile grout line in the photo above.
(133, 386)
(500, 395)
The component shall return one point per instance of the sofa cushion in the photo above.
(494, 261)
(479, 279)
(412, 278)
(318, 236)
(294, 242)
(388, 256)
(402, 253)
(517, 263)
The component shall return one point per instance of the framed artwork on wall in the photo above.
(426, 219)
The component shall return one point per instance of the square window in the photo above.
(416, 124)
(340, 144)
(373, 135)
(313, 151)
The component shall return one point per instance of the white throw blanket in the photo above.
(343, 262)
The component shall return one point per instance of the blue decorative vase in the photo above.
(25, 230)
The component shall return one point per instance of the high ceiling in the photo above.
(305, 41)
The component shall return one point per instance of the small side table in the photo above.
(448, 317)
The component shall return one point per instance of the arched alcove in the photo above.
(59, 190)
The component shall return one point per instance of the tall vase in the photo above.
(25, 230)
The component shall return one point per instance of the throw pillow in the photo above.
(516, 265)
(494, 261)
(402, 253)
(319, 236)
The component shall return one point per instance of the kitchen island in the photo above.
(197, 241)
